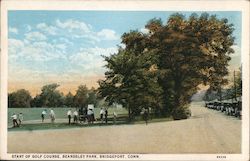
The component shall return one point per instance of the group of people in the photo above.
(82, 115)
(75, 116)
(52, 115)
(104, 112)
(89, 116)
(17, 119)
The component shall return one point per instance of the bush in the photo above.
(181, 113)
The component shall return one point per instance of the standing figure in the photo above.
(91, 116)
(75, 116)
(101, 115)
(145, 115)
(114, 117)
(52, 116)
(43, 115)
(85, 114)
(20, 118)
(14, 120)
(106, 115)
(69, 113)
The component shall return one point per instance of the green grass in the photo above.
(49, 126)
(35, 113)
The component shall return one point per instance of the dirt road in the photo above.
(207, 131)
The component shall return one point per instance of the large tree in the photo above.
(183, 53)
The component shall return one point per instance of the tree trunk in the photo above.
(129, 113)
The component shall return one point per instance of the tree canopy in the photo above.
(50, 96)
(20, 98)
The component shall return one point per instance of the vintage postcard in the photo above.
(124, 80)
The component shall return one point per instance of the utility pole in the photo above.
(235, 89)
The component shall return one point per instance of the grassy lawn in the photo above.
(120, 121)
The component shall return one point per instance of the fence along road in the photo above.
(207, 131)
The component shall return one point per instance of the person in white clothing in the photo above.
(114, 117)
(20, 118)
(43, 115)
(75, 116)
(69, 113)
(52, 116)
(14, 119)
(101, 114)
(91, 116)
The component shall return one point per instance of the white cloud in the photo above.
(72, 25)
(35, 36)
(61, 46)
(36, 51)
(13, 30)
(51, 30)
(144, 30)
(64, 40)
(28, 28)
(237, 51)
(236, 60)
(90, 59)
(75, 29)
(14, 47)
(107, 34)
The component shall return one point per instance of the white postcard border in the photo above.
(139, 5)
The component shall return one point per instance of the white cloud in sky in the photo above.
(35, 36)
(13, 30)
(72, 25)
(144, 30)
(107, 34)
(75, 29)
(90, 59)
(36, 51)
(237, 51)
(28, 28)
(14, 47)
(51, 30)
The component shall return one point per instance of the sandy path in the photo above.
(207, 131)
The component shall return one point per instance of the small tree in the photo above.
(69, 100)
(20, 98)
(50, 96)
(81, 96)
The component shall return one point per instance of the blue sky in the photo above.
(66, 46)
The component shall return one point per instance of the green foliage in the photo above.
(50, 96)
(81, 97)
(232, 92)
(20, 98)
(131, 79)
(92, 98)
(69, 100)
(163, 68)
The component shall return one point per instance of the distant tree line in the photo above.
(163, 68)
(232, 92)
(50, 96)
